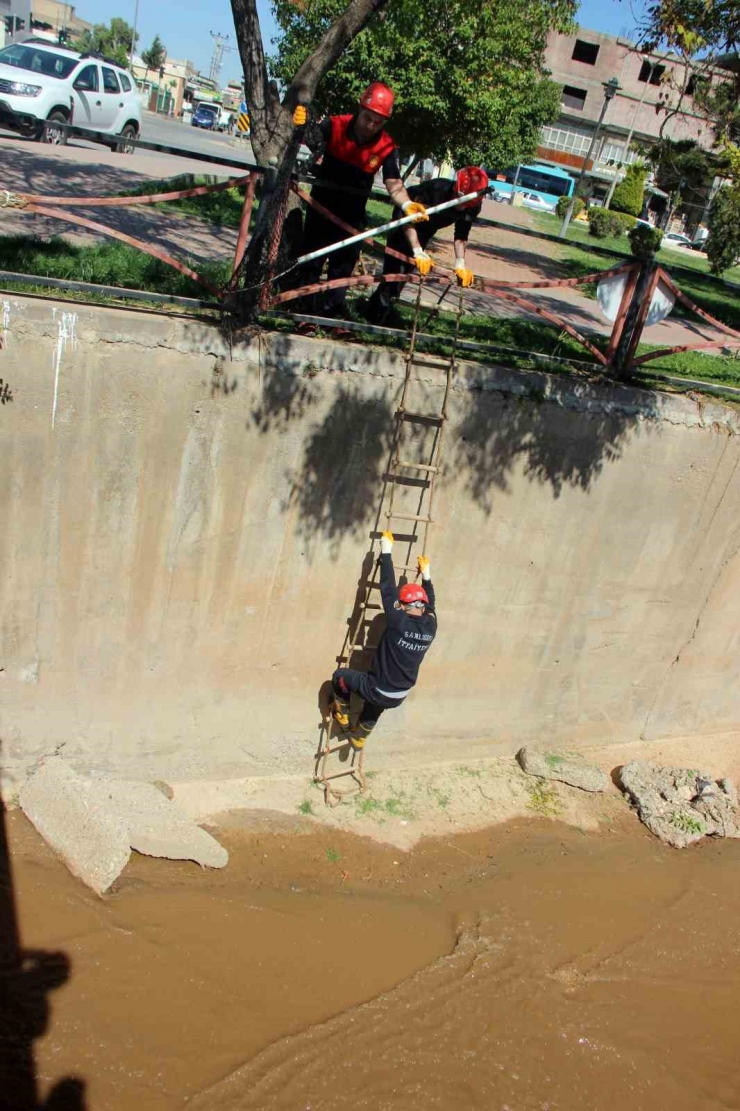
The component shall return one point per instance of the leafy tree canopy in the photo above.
(468, 75)
(114, 40)
(155, 55)
(705, 35)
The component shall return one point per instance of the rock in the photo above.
(74, 817)
(681, 805)
(158, 827)
(548, 765)
(93, 823)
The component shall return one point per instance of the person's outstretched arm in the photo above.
(387, 574)
(426, 579)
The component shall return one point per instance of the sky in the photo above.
(184, 25)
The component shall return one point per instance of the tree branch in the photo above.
(334, 42)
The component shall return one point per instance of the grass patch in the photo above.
(554, 761)
(543, 799)
(333, 856)
(305, 807)
(365, 806)
(104, 264)
(718, 296)
(398, 808)
(223, 209)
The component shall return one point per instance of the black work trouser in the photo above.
(347, 680)
(317, 233)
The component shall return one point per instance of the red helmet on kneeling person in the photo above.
(411, 593)
(470, 179)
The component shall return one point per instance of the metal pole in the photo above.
(610, 90)
(390, 226)
(514, 184)
(631, 131)
(133, 36)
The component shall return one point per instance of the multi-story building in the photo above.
(164, 90)
(55, 18)
(582, 63)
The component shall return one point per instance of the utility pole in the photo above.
(633, 125)
(611, 88)
(219, 50)
(133, 35)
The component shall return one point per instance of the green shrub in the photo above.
(644, 241)
(603, 223)
(723, 245)
(628, 222)
(562, 206)
(630, 193)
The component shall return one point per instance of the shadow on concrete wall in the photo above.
(555, 445)
(27, 976)
(339, 484)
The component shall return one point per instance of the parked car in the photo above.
(534, 200)
(40, 82)
(675, 239)
(500, 198)
(206, 116)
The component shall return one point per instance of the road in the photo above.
(155, 129)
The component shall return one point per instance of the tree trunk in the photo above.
(275, 139)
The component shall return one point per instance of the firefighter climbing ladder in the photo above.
(402, 473)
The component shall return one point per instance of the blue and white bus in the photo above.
(549, 182)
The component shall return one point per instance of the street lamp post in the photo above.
(133, 35)
(611, 88)
(633, 125)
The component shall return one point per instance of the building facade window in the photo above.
(566, 139)
(616, 154)
(573, 98)
(651, 72)
(586, 52)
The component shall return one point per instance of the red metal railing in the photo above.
(57, 207)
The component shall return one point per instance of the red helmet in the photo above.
(469, 179)
(412, 592)
(378, 98)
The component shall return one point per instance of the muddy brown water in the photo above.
(524, 968)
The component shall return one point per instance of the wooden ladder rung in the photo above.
(405, 567)
(416, 466)
(432, 418)
(337, 775)
(408, 517)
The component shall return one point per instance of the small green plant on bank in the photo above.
(543, 799)
(333, 856)
(306, 807)
(470, 773)
(554, 761)
(398, 808)
(365, 806)
(686, 823)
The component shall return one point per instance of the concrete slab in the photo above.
(93, 823)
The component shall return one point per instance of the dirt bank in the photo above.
(530, 965)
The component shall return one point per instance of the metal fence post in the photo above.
(634, 322)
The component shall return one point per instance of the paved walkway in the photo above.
(505, 255)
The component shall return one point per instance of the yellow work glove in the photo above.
(413, 208)
(386, 543)
(300, 116)
(464, 276)
(423, 564)
(424, 263)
